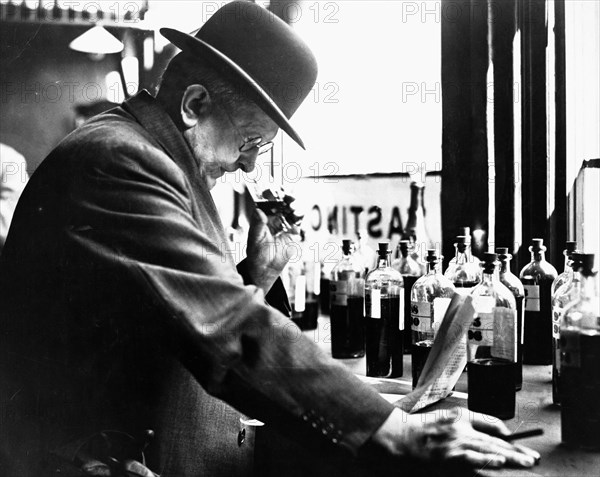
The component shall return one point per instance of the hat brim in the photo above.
(263, 100)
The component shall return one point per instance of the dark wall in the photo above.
(41, 80)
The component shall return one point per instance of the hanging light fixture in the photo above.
(97, 42)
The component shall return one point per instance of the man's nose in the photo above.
(247, 160)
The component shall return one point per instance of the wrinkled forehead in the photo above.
(256, 120)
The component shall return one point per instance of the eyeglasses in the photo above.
(251, 143)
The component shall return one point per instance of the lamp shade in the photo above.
(97, 41)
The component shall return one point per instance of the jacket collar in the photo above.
(146, 110)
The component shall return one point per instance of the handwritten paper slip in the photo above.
(447, 358)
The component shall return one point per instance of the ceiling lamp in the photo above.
(97, 42)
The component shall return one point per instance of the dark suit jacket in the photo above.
(120, 309)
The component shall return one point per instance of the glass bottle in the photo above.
(492, 346)
(580, 362)
(364, 253)
(415, 230)
(466, 232)
(384, 328)
(464, 273)
(537, 278)
(300, 288)
(510, 281)
(347, 302)
(567, 274)
(411, 271)
(564, 296)
(429, 299)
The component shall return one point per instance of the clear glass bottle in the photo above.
(464, 273)
(347, 302)
(300, 288)
(429, 299)
(492, 345)
(537, 278)
(411, 271)
(567, 274)
(510, 281)
(466, 232)
(567, 293)
(415, 230)
(580, 362)
(384, 329)
(364, 253)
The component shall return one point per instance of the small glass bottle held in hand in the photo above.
(429, 299)
(566, 294)
(492, 346)
(510, 281)
(464, 273)
(537, 278)
(347, 303)
(411, 271)
(384, 328)
(580, 362)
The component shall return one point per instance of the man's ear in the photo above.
(195, 104)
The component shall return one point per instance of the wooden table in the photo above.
(534, 409)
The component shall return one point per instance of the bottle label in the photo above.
(339, 292)
(556, 314)
(420, 313)
(504, 334)
(481, 331)
(401, 311)
(375, 303)
(440, 306)
(532, 297)
(300, 294)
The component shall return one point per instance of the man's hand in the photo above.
(270, 246)
(457, 436)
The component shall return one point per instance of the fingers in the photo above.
(489, 424)
(477, 459)
(484, 444)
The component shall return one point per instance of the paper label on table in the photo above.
(375, 303)
(505, 334)
(440, 306)
(447, 358)
(339, 292)
(481, 331)
(401, 311)
(532, 297)
(300, 293)
(420, 314)
(556, 314)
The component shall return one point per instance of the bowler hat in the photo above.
(259, 53)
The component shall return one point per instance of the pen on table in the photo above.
(522, 435)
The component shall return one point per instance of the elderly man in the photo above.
(121, 310)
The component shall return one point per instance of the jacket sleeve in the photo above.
(131, 209)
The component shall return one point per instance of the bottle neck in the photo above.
(505, 266)
(538, 256)
(568, 264)
(489, 277)
(383, 261)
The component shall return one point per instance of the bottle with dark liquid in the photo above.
(346, 315)
(384, 326)
(580, 362)
(492, 346)
(464, 272)
(566, 294)
(510, 281)
(567, 274)
(429, 299)
(411, 271)
(537, 278)
(300, 288)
